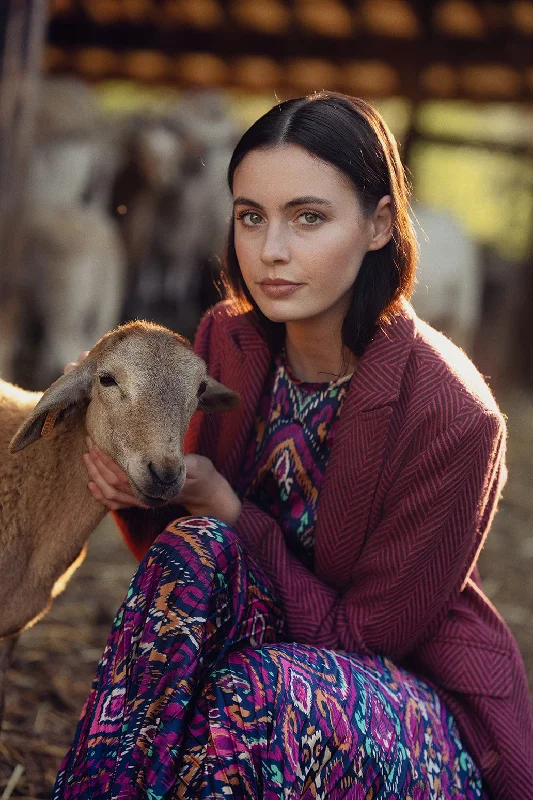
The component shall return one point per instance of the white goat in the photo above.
(134, 396)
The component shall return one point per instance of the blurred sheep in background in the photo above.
(124, 218)
(145, 201)
(73, 266)
(449, 289)
(74, 284)
(172, 204)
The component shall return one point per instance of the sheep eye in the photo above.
(107, 380)
(202, 388)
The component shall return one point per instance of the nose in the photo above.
(275, 249)
(165, 473)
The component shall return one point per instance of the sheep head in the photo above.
(140, 385)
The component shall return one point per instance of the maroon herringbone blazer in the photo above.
(410, 489)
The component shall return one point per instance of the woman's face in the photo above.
(300, 233)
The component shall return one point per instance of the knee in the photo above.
(205, 540)
(262, 668)
(282, 680)
(208, 531)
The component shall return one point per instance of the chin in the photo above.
(285, 315)
(277, 311)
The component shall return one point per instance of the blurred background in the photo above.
(117, 121)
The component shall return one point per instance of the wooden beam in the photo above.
(232, 39)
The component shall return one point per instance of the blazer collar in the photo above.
(378, 376)
(379, 373)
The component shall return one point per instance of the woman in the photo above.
(309, 623)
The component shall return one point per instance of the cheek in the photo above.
(336, 259)
(95, 423)
(91, 421)
(246, 253)
(102, 428)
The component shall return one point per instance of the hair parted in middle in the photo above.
(351, 135)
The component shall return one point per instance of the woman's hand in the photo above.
(205, 492)
(109, 483)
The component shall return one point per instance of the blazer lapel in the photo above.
(245, 371)
(357, 455)
(349, 484)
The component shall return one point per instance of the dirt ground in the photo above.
(55, 661)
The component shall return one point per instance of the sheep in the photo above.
(144, 201)
(172, 204)
(450, 281)
(76, 147)
(75, 282)
(72, 276)
(134, 395)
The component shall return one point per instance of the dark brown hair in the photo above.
(351, 135)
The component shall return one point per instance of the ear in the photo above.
(218, 397)
(65, 395)
(381, 224)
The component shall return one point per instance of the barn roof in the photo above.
(476, 49)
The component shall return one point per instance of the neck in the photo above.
(49, 522)
(315, 351)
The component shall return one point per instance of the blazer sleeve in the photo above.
(140, 527)
(414, 563)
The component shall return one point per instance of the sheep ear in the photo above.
(65, 395)
(218, 397)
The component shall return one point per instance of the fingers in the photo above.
(198, 467)
(109, 483)
(108, 469)
(110, 495)
(112, 505)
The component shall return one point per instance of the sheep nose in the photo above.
(165, 475)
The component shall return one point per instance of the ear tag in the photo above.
(50, 421)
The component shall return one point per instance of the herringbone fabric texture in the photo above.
(410, 489)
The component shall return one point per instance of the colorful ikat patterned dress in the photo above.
(200, 695)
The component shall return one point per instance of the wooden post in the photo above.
(22, 33)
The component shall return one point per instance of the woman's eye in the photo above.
(310, 217)
(107, 380)
(251, 218)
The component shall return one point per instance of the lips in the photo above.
(278, 282)
(278, 287)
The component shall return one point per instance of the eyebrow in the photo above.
(297, 201)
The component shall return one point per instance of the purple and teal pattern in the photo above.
(198, 696)
(286, 457)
